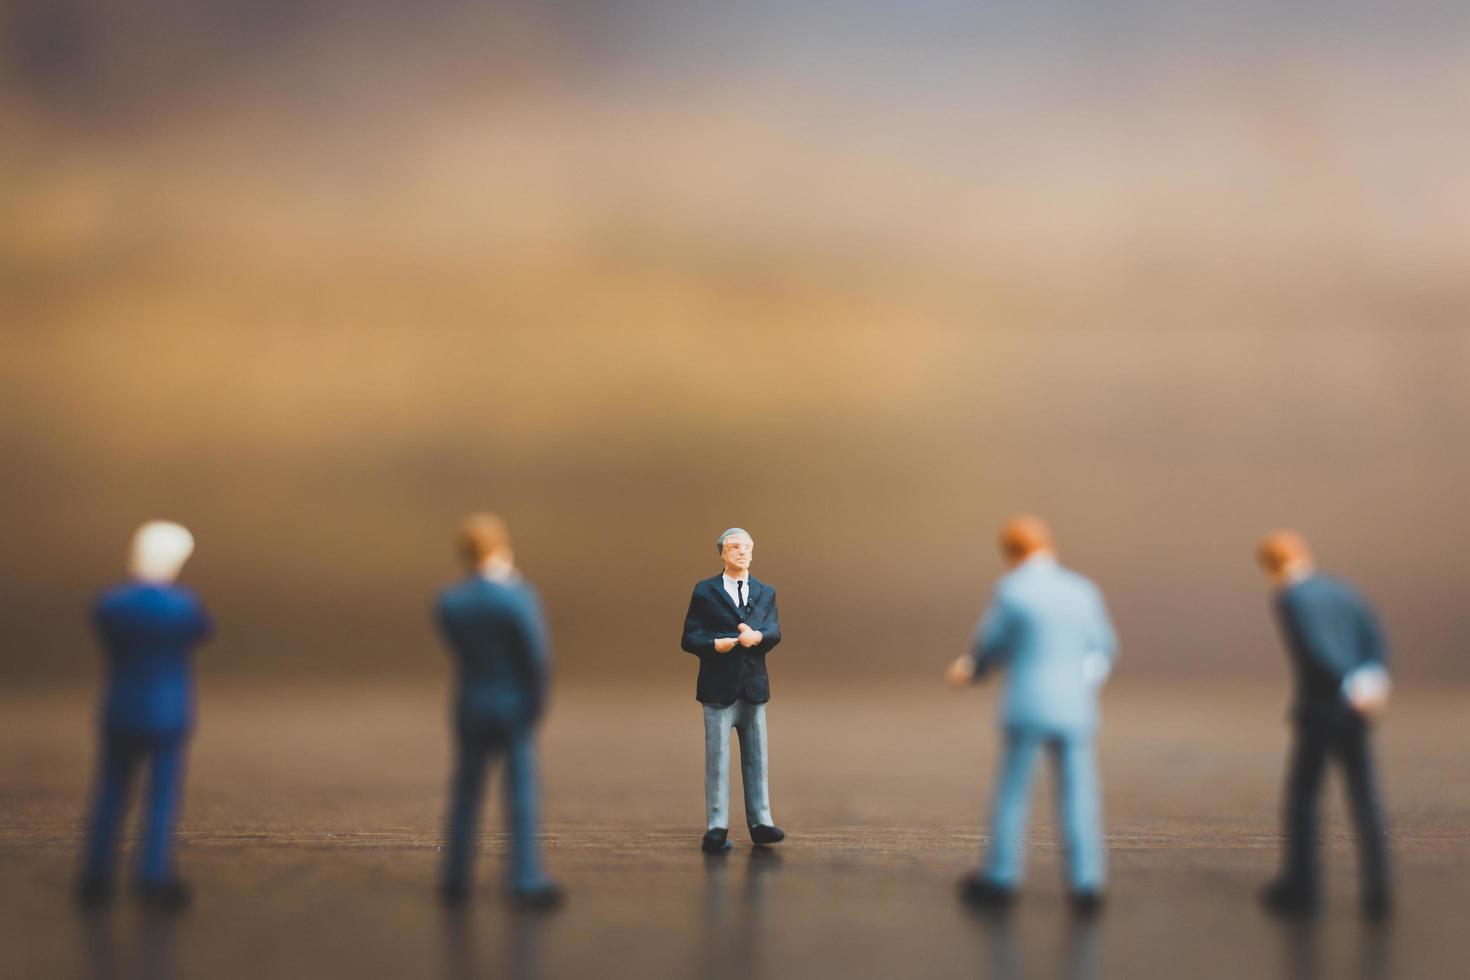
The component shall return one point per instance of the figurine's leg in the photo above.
(1357, 764)
(717, 722)
(116, 758)
(522, 801)
(465, 795)
(1303, 786)
(1008, 818)
(164, 786)
(1079, 811)
(750, 725)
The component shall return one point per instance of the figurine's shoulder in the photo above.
(480, 592)
(464, 593)
(182, 596)
(114, 596)
(1042, 581)
(1078, 582)
(1323, 591)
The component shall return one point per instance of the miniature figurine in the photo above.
(149, 627)
(731, 626)
(1337, 655)
(493, 625)
(1049, 629)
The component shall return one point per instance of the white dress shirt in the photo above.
(733, 592)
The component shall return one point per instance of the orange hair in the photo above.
(1280, 548)
(1024, 535)
(480, 536)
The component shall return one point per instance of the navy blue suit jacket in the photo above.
(148, 635)
(739, 675)
(502, 657)
(1329, 631)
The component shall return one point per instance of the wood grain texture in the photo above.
(312, 822)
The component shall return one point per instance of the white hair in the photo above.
(159, 551)
(730, 533)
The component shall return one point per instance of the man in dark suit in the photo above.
(149, 628)
(493, 624)
(1337, 655)
(731, 626)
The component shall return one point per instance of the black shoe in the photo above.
(982, 893)
(542, 898)
(94, 892)
(1285, 898)
(1088, 902)
(1378, 905)
(766, 834)
(716, 841)
(168, 896)
(454, 892)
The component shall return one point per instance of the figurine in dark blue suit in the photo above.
(731, 625)
(493, 624)
(149, 627)
(1337, 656)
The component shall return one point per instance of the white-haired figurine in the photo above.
(731, 626)
(149, 627)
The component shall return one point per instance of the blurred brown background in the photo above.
(861, 277)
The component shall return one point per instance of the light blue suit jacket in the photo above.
(1045, 623)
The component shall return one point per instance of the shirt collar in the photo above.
(500, 574)
(1297, 577)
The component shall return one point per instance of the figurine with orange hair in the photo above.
(1048, 629)
(1337, 656)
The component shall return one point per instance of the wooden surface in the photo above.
(312, 825)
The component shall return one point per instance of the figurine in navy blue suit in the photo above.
(731, 625)
(493, 624)
(149, 628)
(1338, 658)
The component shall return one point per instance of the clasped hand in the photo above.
(748, 638)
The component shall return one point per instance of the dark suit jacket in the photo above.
(497, 636)
(1329, 631)
(739, 675)
(148, 634)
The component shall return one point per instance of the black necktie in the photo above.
(740, 591)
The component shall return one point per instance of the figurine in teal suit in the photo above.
(492, 622)
(1047, 628)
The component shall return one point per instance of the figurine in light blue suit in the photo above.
(1048, 629)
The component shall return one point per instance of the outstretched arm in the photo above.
(989, 646)
(992, 637)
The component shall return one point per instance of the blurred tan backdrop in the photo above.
(862, 278)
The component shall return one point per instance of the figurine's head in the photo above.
(735, 547)
(484, 542)
(1284, 555)
(1025, 536)
(159, 551)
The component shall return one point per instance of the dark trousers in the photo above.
(119, 759)
(1347, 743)
(475, 751)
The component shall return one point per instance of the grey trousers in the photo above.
(749, 722)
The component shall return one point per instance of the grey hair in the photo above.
(730, 532)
